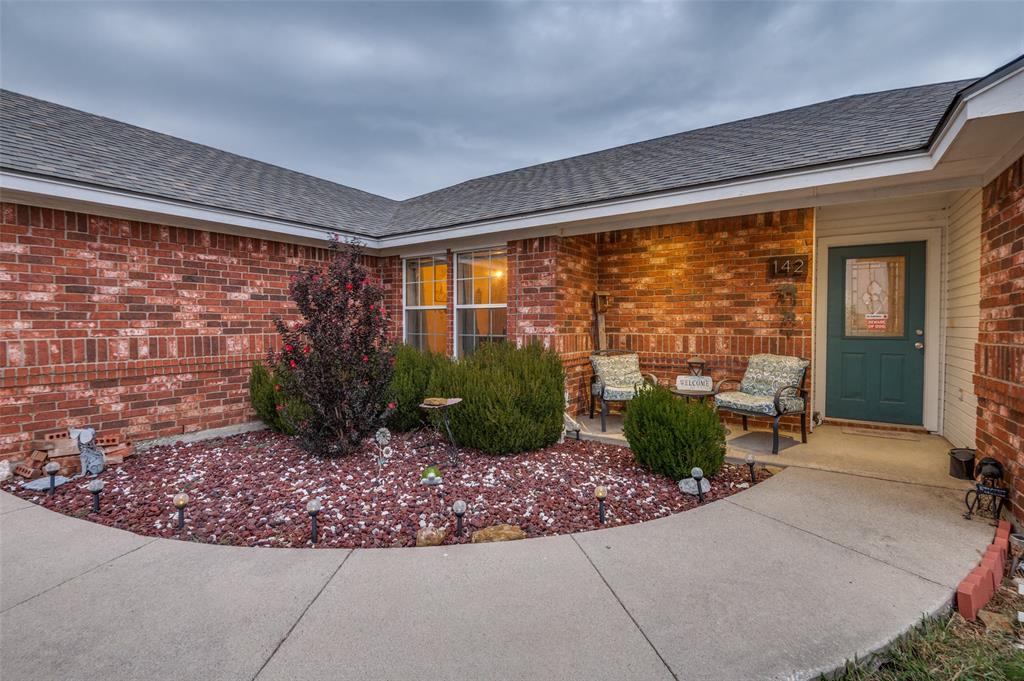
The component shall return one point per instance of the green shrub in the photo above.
(512, 398)
(413, 370)
(670, 436)
(274, 407)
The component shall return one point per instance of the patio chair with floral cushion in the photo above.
(616, 379)
(772, 386)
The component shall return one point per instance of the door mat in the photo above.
(760, 442)
(887, 434)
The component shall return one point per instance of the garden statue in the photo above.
(89, 452)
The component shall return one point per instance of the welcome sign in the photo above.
(694, 384)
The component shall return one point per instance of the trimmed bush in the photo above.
(670, 436)
(512, 398)
(274, 407)
(413, 371)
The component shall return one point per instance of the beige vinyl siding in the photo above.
(870, 222)
(874, 217)
(963, 246)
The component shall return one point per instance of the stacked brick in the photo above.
(60, 448)
(978, 587)
(999, 354)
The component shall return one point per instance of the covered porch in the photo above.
(914, 457)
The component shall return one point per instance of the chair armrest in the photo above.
(650, 379)
(718, 386)
(778, 396)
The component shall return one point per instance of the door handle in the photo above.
(919, 345)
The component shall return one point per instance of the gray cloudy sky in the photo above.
(400, 99)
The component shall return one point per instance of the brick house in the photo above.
(879, 235)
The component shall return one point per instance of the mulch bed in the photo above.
(252, 489)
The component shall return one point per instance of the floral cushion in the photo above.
(619, 375)
(619, 393)
(758, 404)
(767, 373)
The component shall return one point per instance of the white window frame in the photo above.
(456, 305)
(406, 307)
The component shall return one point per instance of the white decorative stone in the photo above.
(5, 470)
(689, 486)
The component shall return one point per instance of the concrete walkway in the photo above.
(781, 581)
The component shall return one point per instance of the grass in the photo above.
(949, 648)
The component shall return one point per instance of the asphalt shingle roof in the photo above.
(47, 139)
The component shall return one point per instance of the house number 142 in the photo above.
(787, 266)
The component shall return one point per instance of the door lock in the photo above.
(919, 332)
(919, 345)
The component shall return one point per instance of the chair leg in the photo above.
(591, 406)
(803, 427)
(775, 435)
(744, 422)
(604, 414)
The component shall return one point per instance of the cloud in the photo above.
(403, 98)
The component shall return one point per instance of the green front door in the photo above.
(875, 358)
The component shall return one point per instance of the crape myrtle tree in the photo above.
(339, 359)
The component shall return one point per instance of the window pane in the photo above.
(874, 296)
(499, 326)
(467, 322)
(426, 329)
(482, 318)
(482, 281)
(441, 289)
(412, 293)
(499, 288)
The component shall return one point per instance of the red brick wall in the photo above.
(999, 354)
(577, 283)
(702, 288)
(143, 329)
(551, 285)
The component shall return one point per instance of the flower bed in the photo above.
(252, 489)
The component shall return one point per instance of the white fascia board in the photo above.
(159, 209)
(730, 191)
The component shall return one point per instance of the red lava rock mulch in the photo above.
(252, 489)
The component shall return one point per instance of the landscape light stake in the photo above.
(459, 508)
(95, 487)
(698, 476)
(180, 502)
(750, 465)
(51, 470)
(600, 493)
(313, 509)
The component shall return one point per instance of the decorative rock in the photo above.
(279, 519)
(430, 536)
(5, 470)
(502, 532)
(689, 486)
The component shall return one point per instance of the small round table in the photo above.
(443, 406)
(701, 395)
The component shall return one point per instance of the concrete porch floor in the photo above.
(922, 461)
